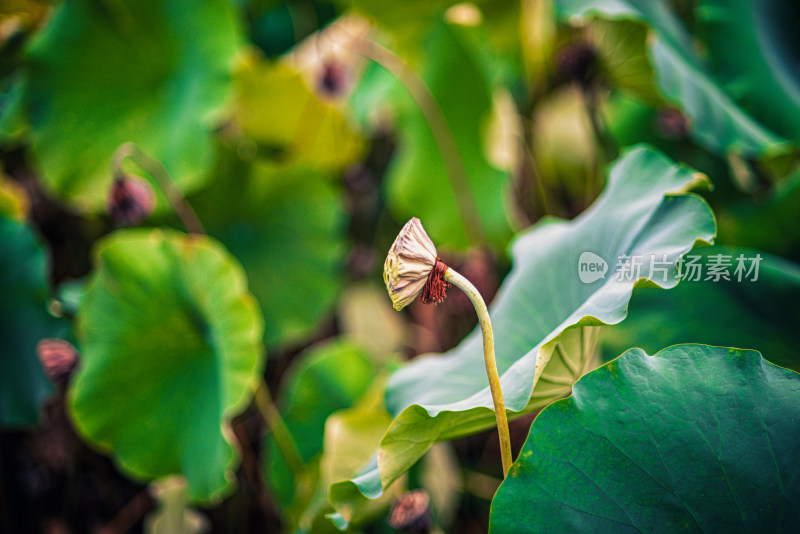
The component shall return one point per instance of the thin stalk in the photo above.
(283, 438)
(480, 485)
(604, 145)
(491, 365)
(130, 513)
(527, 143)
(163, 179)
(442, 134)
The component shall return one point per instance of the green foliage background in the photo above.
(239, 362)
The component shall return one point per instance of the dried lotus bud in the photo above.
(333, 79)
(130, 200)
(578, 62)
(671, 123)
(412, 511)
(58, 358)
(412, 266)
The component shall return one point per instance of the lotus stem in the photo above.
(280, 432)
(474, 296)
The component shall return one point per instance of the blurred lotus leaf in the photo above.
(288, 121)
(171, 350)
(409, 23)
(769, 223)
(286, 226)
(621, 47)
(760, 70)
(24, 321)
(325, 379)
(351, 437)
(718, 121)
(366, 317)
(100, 74)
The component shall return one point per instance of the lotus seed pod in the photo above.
(410, 261)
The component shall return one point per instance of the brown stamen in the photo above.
(435, 290)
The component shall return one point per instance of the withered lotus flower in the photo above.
(412, 267)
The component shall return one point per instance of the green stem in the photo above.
(491, 364)
(163, 179)
(442, 134)
(479, 484)
(283, 438)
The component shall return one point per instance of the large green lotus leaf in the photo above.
(325, 379)
(24, 321)
(643, 211)
(757, 311)
(418, 181)
(171, 350)
(276, 109)
(693, 439)
(760, 71)
(718, 122)
(150, 72)
(286, 226)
